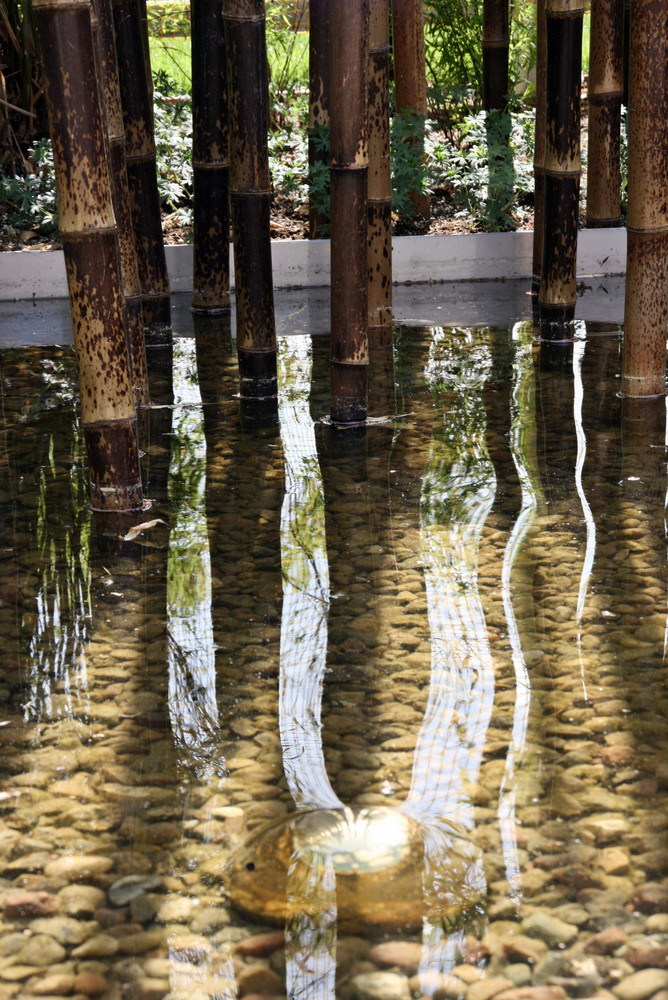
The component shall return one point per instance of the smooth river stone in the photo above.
(64, 929)
(406, 955)
(58, 984)
(41, 950)
(78, 867)
(30, 904)
(642, 984)
(380, 986)
(651, 898)
(81, 900)
(98, 946)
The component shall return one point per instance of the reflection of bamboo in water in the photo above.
(302, 667)
(457, 497)
(590, 550)
(192, 681)
(310, 969)
(305, 588)
(522, 447)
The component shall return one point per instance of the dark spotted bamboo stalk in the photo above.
(142, 174)
(562, 167)
(211, 164)
(646, 307)
(318, 117)
(605, 107)
(91, 253)
(410, 81)
(626, 46)
(539, 151)
(250, 194)
(111, 103)
(349, 162)
(495, 49)
(379, 190)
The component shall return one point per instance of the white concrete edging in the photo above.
(40, 274)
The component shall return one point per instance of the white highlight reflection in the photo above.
(590, 550)
(519, 436)
(191, 655)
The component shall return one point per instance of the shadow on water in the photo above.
(364, 713)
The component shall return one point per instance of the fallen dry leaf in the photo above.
(138, 529)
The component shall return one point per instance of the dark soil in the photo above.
(289, 221)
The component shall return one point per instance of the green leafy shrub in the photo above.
(29, 199)
(173, 143)
(491, 171)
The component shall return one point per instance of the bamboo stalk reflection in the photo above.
(457, 495)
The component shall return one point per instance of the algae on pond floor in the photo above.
(457, 613)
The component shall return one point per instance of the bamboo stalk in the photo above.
(91, 253)
(379, 188)
(539, 150)
(141, 168)
(495, 49)
(318, 118)
(562, 167)
(605, 107)
(250, 195)
(120, 195)
(349, 163)
(410, 80)
(211, 165)
(626, 46)
(646, 305)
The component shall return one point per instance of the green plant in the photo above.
(171, 64)
(29, 199)
(409, 158)
(491, 173)
(173, 142)
(168, 19)
(287, 55)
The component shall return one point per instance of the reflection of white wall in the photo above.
(191, 655)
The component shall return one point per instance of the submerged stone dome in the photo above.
(366, 867)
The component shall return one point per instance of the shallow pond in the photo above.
(430, 652)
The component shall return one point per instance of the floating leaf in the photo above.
(139, 528)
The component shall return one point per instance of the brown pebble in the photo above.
(532, 993)
(522, 948)
(642, 956)
(616, 756)
(31, 904)
(258, 979)
(90, 984)
(650, 898)
(487, 988)
(58, 984)
(140, 943)
(110, 918)
(607, 941)
(259, 945)
(548, 862)
(405, 955)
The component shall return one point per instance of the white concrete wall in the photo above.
(39, 274)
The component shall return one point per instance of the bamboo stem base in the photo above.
(211, 227)
(113, 459)
(645, 315)
(349, 387)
